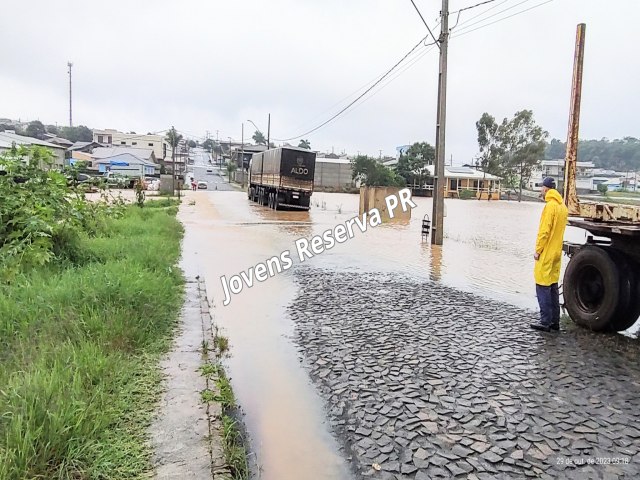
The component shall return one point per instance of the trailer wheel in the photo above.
(276, 201)
(628, 309)
(591, 286)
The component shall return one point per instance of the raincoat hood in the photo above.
(553, 195)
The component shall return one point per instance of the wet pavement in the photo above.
(424, 381)
(394, 332)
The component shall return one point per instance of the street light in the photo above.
(268, 130)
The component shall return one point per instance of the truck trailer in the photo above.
(601, 285)
(282, 178)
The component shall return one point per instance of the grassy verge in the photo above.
(79, 348)
(220, 391)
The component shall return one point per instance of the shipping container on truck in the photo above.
(282, 178)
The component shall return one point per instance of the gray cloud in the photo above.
(146, 65)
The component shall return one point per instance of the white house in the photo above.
(112, 138)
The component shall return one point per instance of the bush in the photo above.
(467, 194)
(42, 212)
(603, 189)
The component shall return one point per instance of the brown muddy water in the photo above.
(488, 250)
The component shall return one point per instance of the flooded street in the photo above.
(488, 252)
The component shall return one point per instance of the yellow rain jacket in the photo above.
(549, 242)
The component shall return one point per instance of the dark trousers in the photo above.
(549, 301)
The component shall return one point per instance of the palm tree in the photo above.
(173, 139)
(305, 144)
(258, 137)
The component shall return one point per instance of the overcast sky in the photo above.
(145, 65)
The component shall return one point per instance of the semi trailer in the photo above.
(282, 178)
(601, 284)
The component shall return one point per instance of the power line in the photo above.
(484, 12)
(358, 98)
(472, 6)
(425, 23)
(501, 19)
(369, 83)
(468, 25)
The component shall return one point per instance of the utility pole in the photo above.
(242, 156)
(268, 132)
(69, 64)
(437, 233)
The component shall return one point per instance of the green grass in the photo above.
(234, 450)
(79, 349)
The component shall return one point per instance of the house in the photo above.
(459, 179)
(555, 169)
(101, 153)
(81, 151)
(333, 173)
(125, 163)
(8, 139)
(63, 142)
(112, 138)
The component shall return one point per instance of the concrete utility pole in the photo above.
(269, 132)
(69, 64)
(437, 233)
(242, 156)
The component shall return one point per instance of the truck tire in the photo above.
(628, 311)
(276, 201)
(591, 286)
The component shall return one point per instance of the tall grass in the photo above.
(79, 345)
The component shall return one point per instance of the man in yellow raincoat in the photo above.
(548, 256)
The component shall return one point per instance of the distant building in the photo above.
(8, 139)
(100, 153)
(126, 162)
(114, 138)
(458, 179)
(555, 170)
(333, 173)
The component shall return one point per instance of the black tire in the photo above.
(591, 285)
(276, 201)
(629, 304)
(270, 205)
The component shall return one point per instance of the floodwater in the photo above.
(488, 250)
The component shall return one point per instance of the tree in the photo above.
(413, 164)
(231, 167)
(36, 129)
(53, 130)
(173, 139)
(208, 144)
(512, 149)
(305, 144)
(603, 188)
(76, 134)
(372, 173)
(525, 144)
(258, 138)
(192, 144)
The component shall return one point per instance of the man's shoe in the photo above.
(541, 327)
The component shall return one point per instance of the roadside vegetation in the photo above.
(89, 297)
(219, 390)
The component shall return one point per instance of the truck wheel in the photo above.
(628, 309)
(276, 201)
(591, 285)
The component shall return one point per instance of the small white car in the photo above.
(202, 185)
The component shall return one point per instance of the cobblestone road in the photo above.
(422, 381)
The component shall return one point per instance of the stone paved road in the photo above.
(422, 381)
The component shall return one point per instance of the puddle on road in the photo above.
(488, 251)
(283, 413)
